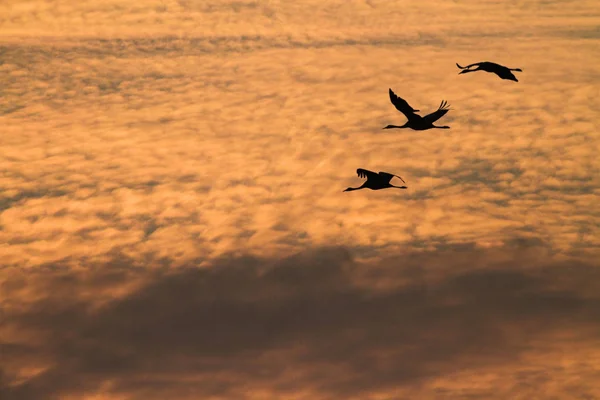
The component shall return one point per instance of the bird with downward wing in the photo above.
(376, 181)
(487, 66)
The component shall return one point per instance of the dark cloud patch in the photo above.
(7, 202)
(584, 32)
(316, 321)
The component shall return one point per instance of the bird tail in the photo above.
(460, 66)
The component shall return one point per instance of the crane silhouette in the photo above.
(500, 70)
(415, 121)
(375, 181)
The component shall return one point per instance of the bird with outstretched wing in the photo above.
(414, 120)
(439, 113)
(402, 105)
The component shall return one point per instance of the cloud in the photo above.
(159, 149)
(153, 139)
(318, 322)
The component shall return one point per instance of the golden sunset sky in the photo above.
(173, 226)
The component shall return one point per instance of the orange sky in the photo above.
(142, 142)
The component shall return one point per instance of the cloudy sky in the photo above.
(172, 221)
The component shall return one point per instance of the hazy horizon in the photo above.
(172, 215)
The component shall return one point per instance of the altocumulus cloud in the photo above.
(317, 324)
(161, 149)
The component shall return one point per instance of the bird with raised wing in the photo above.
(376, 181)
(500, 70)
(415, 121)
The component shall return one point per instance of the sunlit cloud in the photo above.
(207, 154)
(162, 161)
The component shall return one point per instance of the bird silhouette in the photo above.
(500, 70)
(375, 181)
(415, 121)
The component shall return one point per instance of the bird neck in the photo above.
(396, 126)
(351, 189)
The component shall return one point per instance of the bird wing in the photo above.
(365, 173)
(468, 66)
(439, 113)
(402, 105)
(388, 176)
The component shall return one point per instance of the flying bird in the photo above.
(500, 70)
(375, 181)
(415, 121)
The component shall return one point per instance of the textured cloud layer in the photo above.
(218, 136)
(166, 150)
(505, 323)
